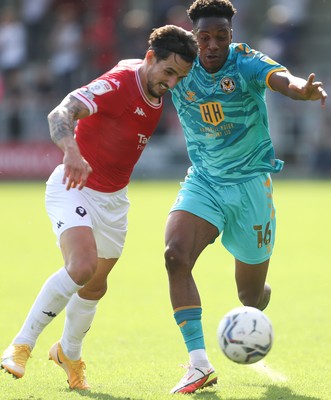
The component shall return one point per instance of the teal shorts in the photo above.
(244, 214)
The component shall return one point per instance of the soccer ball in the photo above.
(245, 335)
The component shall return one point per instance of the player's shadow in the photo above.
(103, 396)
(273, 392)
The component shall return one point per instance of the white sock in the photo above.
(199, 358)
(51, 300)
(79, 316)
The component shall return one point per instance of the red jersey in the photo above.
(121, 122)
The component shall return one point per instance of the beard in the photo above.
(151, 91)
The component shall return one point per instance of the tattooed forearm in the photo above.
(62, 119)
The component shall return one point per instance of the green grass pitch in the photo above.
(134, 348)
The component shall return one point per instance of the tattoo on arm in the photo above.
(62, 119)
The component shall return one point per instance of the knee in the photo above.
(93, 292)
(81, 268)
(97, 293)
(248, 298)
(175, 260)
(255, 299)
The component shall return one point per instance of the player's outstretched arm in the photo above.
(297, 88)
(61, 124)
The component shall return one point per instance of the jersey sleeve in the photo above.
(255, 66)
(103, 93)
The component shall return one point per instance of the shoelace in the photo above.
(79, 368)
(21, 354)
(189, 371)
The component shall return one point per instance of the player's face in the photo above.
(165, 74)
(214, 36)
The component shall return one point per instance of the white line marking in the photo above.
(261, 368)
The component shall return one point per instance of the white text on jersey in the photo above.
(143, 140)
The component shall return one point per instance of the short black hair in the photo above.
(211, 8)
(173, 39)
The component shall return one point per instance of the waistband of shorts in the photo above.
(106, 194)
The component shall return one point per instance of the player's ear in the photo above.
(150, 56)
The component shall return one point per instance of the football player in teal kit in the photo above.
(228, 190)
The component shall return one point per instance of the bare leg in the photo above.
(251, 286)
(186, 237)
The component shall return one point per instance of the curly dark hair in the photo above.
(211, 8)
(173, 39)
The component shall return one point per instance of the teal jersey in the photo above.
(224, 117)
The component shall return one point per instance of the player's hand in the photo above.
(311, 90)
(76, 171)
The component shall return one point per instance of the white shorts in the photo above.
(105, 213)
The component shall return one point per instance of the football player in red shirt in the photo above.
(86, 196)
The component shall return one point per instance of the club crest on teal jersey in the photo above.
(227, 85)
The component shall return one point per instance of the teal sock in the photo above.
(189, 322)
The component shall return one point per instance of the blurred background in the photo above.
(50, 47)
